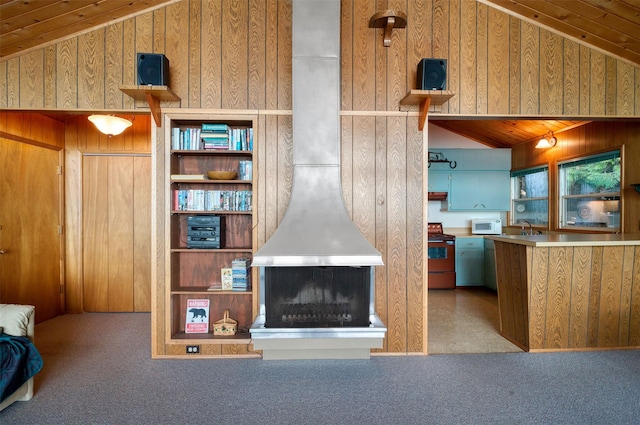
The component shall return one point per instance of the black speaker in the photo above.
(153, 69)
(432, 74)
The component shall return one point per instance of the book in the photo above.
(227, 278)
(197, 317)
(207, 126)
(188, 177)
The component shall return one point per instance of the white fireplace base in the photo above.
(316, 348)
(317, 343)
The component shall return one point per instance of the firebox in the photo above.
(317, 297)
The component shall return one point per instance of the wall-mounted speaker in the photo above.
(432, 74)
(153, 69)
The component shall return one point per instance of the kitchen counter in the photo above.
(563, 292)
(572, 239)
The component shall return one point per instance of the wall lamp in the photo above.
(547, 141)
(110, 124)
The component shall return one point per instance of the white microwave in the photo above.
(486, 226)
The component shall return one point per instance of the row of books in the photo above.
(234, 278)
(245, 170)
(208, 138)
(241, 274)
(212, 200)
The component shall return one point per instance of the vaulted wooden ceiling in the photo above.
(611, 26)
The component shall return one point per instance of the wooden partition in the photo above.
(569, 297)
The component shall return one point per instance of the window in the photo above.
(590, 192)
(530, 196)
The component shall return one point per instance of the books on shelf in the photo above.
(212, 200)
(245, 170)
(197, 317)
(212, 136)
(241, 274)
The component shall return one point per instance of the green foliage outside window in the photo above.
(594, 177)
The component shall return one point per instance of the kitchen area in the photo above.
(463, 302)
(500, 288)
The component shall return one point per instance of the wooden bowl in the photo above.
(222, 175)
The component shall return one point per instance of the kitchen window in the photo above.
(530, 196)
(590, 192)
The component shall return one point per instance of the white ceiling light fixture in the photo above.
(547, 141)
(110, 124)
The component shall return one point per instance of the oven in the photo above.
(441, 257)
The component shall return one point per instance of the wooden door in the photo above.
(30, 233)
(116, 236)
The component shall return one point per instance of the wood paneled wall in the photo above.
(82, 137)
(594, 137)
(569, 297)
(236, 55)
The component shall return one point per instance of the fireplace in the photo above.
(317, 312)
(317, 297)
(317, 269)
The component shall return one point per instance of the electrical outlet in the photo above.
(193, 349)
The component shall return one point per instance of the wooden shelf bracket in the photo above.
(425, 99)
(152, 95)
(389, 19)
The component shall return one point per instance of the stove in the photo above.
(441, 257)
(436, 233)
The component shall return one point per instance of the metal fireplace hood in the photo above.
(316, 229)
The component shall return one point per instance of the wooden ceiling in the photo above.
(611, 26)
(29, 24)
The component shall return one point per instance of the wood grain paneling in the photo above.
(113, 65)
(498, 62)
(468, 70)
(551, 75)
(234, 50)
(236, 55)
(578, 297)
(571, 78)
(591, 138)
(30, 219)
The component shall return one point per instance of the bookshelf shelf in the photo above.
(201, 240)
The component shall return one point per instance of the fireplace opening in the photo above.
(317, 297)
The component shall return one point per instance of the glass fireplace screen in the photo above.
(314, 297)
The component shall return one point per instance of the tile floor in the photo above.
(465, 320)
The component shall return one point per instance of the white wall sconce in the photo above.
(110, 124)
(547, 141)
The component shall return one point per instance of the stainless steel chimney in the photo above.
(316, 229)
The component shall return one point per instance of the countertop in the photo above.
(574, 239)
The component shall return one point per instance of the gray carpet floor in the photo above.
(98, 370)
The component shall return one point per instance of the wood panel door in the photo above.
(116, 233)
(30, 232)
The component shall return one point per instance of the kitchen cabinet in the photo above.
(480, 181)
(489, 265)
(439, 181)
(479, 191)
(469, 261)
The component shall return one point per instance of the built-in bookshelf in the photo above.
(208, 188)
